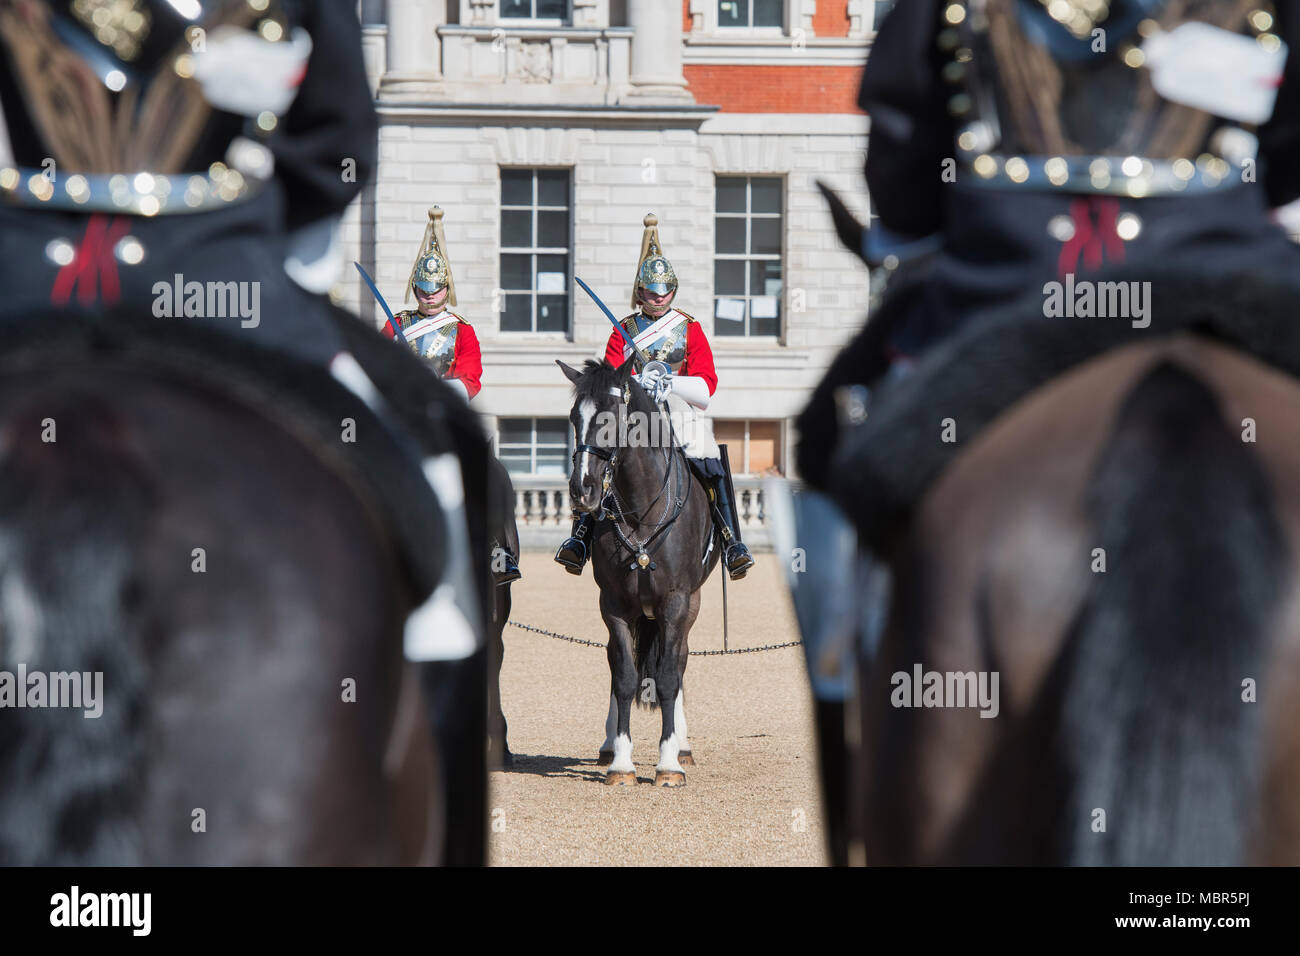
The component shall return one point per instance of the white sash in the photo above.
(427, 325)
(670, 318)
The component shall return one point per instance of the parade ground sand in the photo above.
(752, 798)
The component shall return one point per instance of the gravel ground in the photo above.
(751, 799)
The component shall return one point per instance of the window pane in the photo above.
(765, 195)
(730, 433)
(727, 326)
(553, 431)
(729, 235)
(516, 187)
(552, 313)
(733, 13)
(765, 236)
(517, 315)
(767, 13)
(514, 431)
(765, 277)
(516, 463)
(516, 271)
(552, 463)
(729, 276)
(766, 326)
(516, 228)
(553, 187)
(764, 446)
(553, 264)
(731, 194)
(551, 8)
(553, 229)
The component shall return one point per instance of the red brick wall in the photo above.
(831, 18)
(686, 16)
(776, 89)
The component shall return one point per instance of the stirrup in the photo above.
(737, 551)
(573, 555)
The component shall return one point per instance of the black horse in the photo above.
(653, 550)
(196, 531)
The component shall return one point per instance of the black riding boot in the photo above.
(736, 557)
(505, 568)
(573, 553)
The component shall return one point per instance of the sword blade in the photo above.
(382, 304)
(613, 321)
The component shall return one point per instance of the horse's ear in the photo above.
(626, 369)
(572, 374)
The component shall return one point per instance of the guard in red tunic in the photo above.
(448, 343)
(433, 331)
(670, 336)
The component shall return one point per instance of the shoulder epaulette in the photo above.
(460, 318)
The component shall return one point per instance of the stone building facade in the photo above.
(547, 129)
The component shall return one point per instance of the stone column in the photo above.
(414, 48)
(657, 53)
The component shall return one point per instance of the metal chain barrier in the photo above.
(578, 640)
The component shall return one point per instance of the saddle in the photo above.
(884, 466)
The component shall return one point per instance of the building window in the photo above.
(751, 13)
(536, 226)
(534, 446)
(878, 10)
(556, 10)
(747, 264)
(753, 446)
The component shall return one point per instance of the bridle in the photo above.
(674, 463)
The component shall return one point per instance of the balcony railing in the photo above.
(543, 509)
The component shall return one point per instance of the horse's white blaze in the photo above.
(679, 722)
(587, 410)
(622, 755)
(611, 725)
(668, 751)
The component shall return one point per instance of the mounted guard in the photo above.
(669, 336)
(446, 341)
(435, 333)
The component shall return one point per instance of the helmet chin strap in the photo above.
(667, 305)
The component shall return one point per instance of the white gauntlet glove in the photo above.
(691, 389)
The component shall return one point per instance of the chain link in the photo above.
(578, 640)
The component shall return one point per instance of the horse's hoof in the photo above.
(670, 778)
(605, 759)
(620, 778)
(685, 759)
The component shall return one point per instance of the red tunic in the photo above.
(466, 360)
(698, 361)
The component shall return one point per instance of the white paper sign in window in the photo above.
(550, 282)
(763, 307)
(732, 310)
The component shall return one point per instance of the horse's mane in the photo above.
(596, 381)
(599, 377)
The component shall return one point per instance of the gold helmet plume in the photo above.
(653, 272)
(431, 270)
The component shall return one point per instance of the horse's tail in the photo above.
(1162, 745)
(648, 648)
(73, 503)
